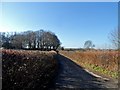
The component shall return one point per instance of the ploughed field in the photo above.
(102, 62)
(28, 69)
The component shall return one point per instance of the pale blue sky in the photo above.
(73, 23)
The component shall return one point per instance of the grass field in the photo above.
(27, 69)
(104, 62)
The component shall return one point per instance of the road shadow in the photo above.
(73, 76)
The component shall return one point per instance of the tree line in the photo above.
(41, 40)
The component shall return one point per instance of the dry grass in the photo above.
(105, 62)
(27, 69)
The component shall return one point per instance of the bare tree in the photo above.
(5, 40)
(49, 41)
(88, 44)
(30, 39)
(38, 38)
(115, 38)
(0, 40)
(17, 41)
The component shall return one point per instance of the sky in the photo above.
(73, 22)
(60, 0)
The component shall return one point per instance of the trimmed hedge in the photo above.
(27, 69)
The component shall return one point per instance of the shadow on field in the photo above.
(71, 75)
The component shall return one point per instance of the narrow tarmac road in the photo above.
(72, 76)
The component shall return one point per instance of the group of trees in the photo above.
(42, 40)
(114, 37)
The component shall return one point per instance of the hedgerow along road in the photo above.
(71, 75)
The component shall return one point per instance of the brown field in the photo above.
(105, 62)
(27, 69)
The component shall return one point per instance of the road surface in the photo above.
(71, 75)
